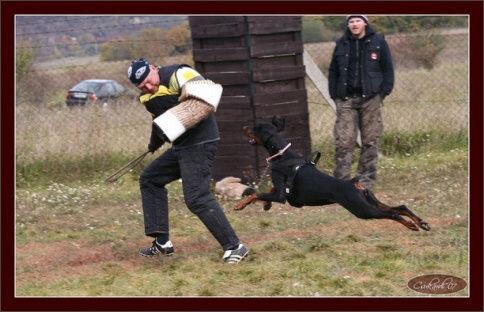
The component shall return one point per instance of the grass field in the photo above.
(77, 237)
(85, 236)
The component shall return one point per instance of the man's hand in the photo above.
(153, 148)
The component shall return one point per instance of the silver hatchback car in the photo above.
(96, 90)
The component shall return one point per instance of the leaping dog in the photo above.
(296, 180)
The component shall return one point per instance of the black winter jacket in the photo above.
(203, 132)
(377, 75)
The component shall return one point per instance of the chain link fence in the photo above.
(431, 95)
(431, 92)
(430, 98)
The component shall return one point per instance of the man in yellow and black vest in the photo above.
(181, 103)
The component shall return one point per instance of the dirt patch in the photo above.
(51, 262)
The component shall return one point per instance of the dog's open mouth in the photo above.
(253, 140)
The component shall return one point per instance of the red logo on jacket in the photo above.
(374, 56)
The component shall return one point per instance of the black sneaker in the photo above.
(157, 249)
(236, 255)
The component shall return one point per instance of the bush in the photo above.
(412, 51)
(394, 144)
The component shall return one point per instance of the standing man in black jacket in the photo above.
(360, 77)
(171, 94)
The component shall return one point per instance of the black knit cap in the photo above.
(363, 17)
(138, 71)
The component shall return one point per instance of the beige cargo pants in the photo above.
(353, 115)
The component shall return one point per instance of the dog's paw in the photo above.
(240, 206)
(267, 206)
(249, 200)
(412, 226)
(424, 225)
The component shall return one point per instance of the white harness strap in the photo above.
(268, 159)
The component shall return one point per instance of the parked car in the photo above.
(96, 91)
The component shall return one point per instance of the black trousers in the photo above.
(194, 166)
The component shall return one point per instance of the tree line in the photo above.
(154, 43)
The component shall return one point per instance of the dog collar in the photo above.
(268, 159)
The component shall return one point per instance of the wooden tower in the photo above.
(259, 62)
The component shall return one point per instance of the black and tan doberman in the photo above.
(296, 180)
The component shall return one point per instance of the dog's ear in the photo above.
(279, 122)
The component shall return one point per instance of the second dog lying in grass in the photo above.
(232, 188)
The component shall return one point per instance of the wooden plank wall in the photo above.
(259, 62)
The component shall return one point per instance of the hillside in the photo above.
(55, 36)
